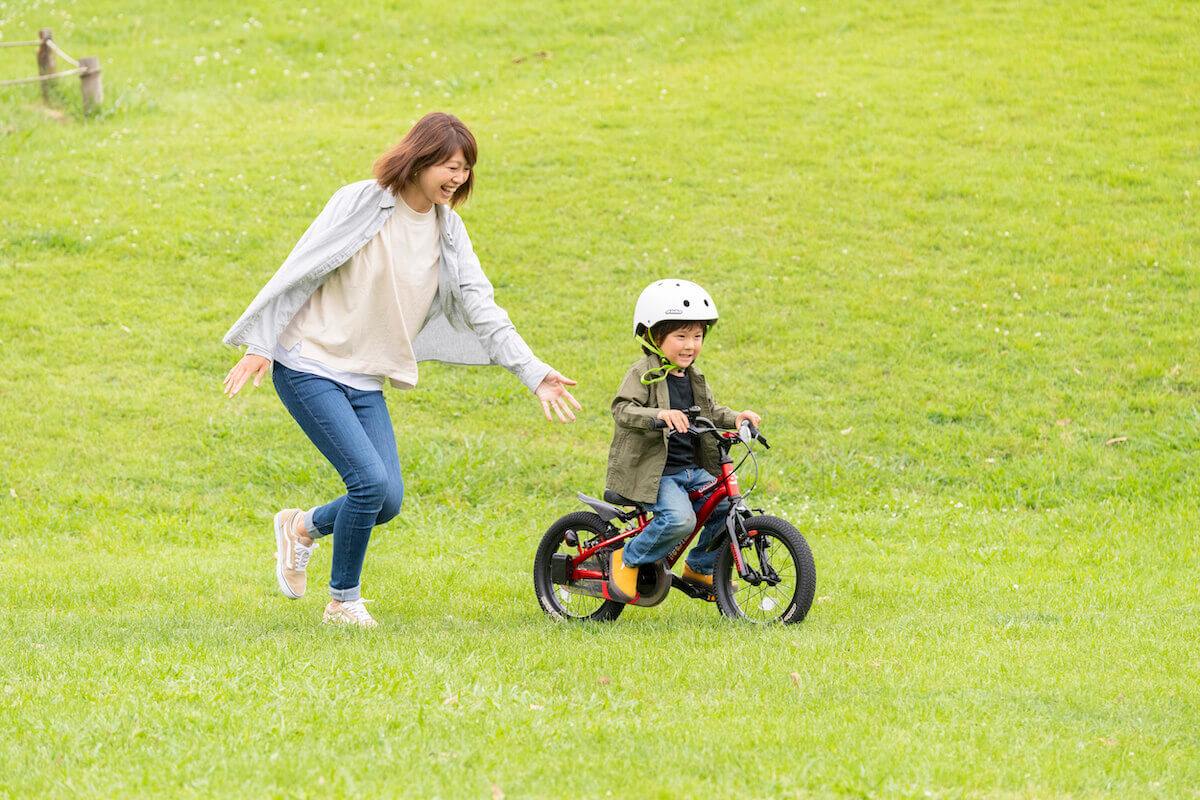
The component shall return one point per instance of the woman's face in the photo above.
(437, 184)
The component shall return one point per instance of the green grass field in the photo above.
(954, 245)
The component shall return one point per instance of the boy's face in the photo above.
(683, 346)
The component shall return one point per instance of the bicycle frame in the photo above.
(722, 488)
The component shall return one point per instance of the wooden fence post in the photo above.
(89, 82)
(47, 63)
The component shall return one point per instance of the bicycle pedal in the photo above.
(692, 590)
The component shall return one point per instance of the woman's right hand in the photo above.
(250, 366)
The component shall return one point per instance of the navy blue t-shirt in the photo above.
(681, 450)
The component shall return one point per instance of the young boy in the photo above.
(644, 464)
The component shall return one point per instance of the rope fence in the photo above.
(50, 77)
(87, 68)
(58, 50)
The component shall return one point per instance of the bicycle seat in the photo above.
(608, 511)
(618, 500)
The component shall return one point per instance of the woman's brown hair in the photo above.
(434, 139)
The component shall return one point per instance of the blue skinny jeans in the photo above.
(674, 519)
(353, 431)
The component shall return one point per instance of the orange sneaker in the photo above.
(697, 578)
(622, 580)
(702, 581)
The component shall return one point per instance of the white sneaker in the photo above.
(291, 554)
(349, 613)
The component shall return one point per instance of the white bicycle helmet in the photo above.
(672, 299)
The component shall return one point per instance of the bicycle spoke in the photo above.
(574, 601)
(771, 552)
(765, 602)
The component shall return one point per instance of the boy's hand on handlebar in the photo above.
(676, 420)
(750, 416)
(250, 366)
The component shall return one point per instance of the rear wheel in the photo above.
(576, 600)
(778, 553)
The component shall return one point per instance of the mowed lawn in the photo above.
(954, 248)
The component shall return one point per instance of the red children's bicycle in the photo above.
(764, 570)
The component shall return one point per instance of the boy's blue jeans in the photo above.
(674, 519)
(352, 429)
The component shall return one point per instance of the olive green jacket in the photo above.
(638, 453)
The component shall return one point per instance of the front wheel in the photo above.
(786, 575)
(576, 600)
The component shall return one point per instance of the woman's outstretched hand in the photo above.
(552, 391)
(249, 366)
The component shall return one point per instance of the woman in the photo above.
(384, 277)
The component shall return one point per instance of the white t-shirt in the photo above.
(358, 327)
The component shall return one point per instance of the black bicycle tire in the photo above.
(543, 586)
(725, 572)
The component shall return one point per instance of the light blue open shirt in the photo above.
(464, 324)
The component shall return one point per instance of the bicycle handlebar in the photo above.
(701, 425)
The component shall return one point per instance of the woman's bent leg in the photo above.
(344, 423)
(371, 410)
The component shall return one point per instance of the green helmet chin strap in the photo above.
(662, 370)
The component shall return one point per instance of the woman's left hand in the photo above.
(552, 391)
